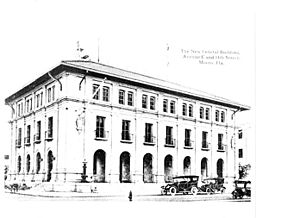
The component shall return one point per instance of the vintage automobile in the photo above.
(242, 188)
(181, 184)
(212, 185)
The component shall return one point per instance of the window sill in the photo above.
(220, 150)
(149, 143)
(205, 149)
(48, 139)
(126, 141)
(169, 145)
(18, 146)
(188, 147)
(27, 144)
(37, 141)
(101, 139)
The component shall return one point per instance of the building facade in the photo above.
(85, 121)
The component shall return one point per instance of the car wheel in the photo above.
(194, 191)
(208, 190)
(172, 191)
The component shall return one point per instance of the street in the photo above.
(155, 198)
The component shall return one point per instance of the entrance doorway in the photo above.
(125, 167)
(147, 168)
(168, 165)
(99, 166)
(50, 159)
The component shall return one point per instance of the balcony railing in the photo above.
(27, 141)
(18, 143)
(188, 143)
(221, 147)
(101, 134)
(149, 139)
(48, 135)
(126, 137)
(37, 138)
(205, 145)
(170, 142)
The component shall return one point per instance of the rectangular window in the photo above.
(96, 91)
(144, 101)
(19, 109)
(169, 135)
(220, 142)
(41, 99)
(201, 112)
(126, 130)
(130, 98)
(184, 109)
(100, 127)
(240, 153)
(38, 131)
(148, 132)
(49, 94)
(27, 105)
(53, 93)
(19, 136)
(172, 107)
(30, 102)
(207, 113)
(27, 138)
(165, 105)
(121, 96)
(187, 136)
(204, 139)
(37, 100)
(152, 103)
(222, 116)
(50, 128)
(240, 133)
(190, 110)
(217, 116)
(105, 92)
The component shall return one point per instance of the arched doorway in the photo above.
(50, 159)
(19, 165)
(187, 166)
(168, 166)
(28, 163)
(38, 162)
(147, 168)
(99, 166)
(220, 166)
(204, 170)
(125, 167)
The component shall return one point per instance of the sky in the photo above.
(147, 38)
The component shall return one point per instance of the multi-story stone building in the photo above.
(87, 121)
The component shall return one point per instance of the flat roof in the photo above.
(125, 76)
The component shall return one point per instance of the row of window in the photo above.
(37, 136)
(149, 102)
(149, 137)
(99, 157)
(38, 101)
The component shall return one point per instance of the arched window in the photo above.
(187, 165)
(204, 170)
(99, 166)
(19, 165)
(38, 162)
(125, 167)
(147, 168)
(28, 163)
(220, 166)
(168, 168)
